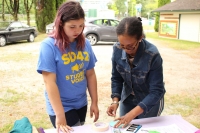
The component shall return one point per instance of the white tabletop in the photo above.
(146, 123)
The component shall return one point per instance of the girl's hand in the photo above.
(94, 110)
(61, 124)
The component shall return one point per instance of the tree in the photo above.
(160, 3)
(3, 11)
(119, 7)
(114, 8)
(28, 5)
(131, 8)
(58, 3)
(143, 3)
(151, 5)
(13, 8)
(45, 13)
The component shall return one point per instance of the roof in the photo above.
(180, 5)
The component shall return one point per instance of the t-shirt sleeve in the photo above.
(93, 58)
(46, 60)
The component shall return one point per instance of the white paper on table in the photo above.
(163, 129)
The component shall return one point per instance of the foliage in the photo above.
(28, 5)
(8, 7)
(13, 8)
(109, 5)
(152, 4)
(131, 8)
(160, 3)
(3, 11)
(114, 7)
(156, 26)
(43, 15)
(147, 7)
(119, 7)
(58, 3)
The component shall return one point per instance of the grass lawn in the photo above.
(174, 43)
(40, 37)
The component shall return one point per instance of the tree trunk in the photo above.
(28, 8)
(28, 17)
(15, 17)
(3, 12)
(16, 9)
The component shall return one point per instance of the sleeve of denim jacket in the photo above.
(156, 85)
(116, 78)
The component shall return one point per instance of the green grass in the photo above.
(148, 27)
(11, 96)
(6, 128)
(19, 56)
(173, 43)
(40, 37)
(186, 105)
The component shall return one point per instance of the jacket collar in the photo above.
(138, 54)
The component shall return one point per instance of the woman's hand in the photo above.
(61, 124)
(124, 120)
(111, 111)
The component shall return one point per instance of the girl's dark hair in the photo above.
(131, 26)
(70, 10)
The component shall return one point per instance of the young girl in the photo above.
(137, 74)
(66, 62)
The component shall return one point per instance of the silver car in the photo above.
(97, 29)
(100, 30)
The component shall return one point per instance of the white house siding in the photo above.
(190, 27)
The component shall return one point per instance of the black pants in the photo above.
(72, 116)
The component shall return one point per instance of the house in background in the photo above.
(180, 20)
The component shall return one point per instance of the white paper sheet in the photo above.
(163, 129)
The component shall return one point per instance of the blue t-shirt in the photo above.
(70, 69)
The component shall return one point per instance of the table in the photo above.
(145, 122)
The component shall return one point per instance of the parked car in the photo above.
(16, 31)
(100, 30)
(49, 28)
(97, 29)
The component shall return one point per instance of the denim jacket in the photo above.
(145, 79)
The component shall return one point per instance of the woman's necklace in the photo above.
(130, 60)
(131, 56)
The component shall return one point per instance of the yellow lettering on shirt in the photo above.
(66, 58)
(76, 77)
(86, 56)
(72, 57)
(80, 56)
